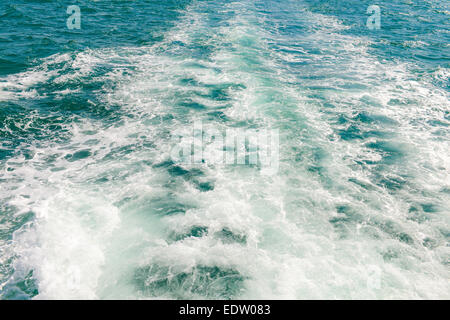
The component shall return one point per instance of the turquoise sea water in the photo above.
(93, 206)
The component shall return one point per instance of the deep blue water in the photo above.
(93, 204)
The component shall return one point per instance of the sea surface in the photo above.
(93, 204)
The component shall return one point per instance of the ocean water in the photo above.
(94, 206)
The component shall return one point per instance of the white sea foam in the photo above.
(97, 217)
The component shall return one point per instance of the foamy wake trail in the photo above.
(358, 208)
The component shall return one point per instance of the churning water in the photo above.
(356, 201)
